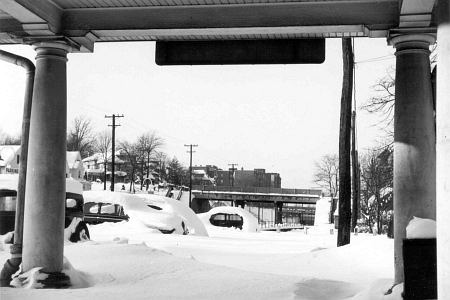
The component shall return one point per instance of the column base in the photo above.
(55, 280)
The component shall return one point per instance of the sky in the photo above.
(282, 118)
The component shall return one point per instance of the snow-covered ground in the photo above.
(125, 261)
(129, 260)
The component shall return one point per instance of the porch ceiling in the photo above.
(85, 22)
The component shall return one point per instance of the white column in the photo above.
(43, 238)
(414, 137)
(443, 150)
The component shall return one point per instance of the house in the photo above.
(9, 159)
(75, 165)
(94, 167)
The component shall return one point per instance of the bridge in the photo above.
(288, 205)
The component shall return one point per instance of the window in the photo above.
(18, 158)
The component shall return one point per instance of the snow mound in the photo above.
(419, 228)
(250, 223)
(78, 279)
(322, 211)
(29, 280)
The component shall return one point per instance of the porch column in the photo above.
(443, 149)
(414, 138)
(43, 237)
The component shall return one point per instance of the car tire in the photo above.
(81, 233)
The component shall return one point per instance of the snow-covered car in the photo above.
(75, 228)
(154, 211)
(228, 216)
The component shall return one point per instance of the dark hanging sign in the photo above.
(240, 52)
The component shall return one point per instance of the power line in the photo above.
(376, 59)
(190, 171)
(113, 154)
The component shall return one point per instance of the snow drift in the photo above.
(250, 222)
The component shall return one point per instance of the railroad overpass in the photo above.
(298, 203)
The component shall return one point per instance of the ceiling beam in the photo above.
(37, 17)
(378, 15)
(416, 13)
(335, 31)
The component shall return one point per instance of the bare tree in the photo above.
(132, 154)
(162, 159)
(377, 181)
(103, 146)
(147, 144)
(8, 139)
(80, 137)
(327, 176)
(383, 101)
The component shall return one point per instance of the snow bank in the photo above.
(32, 279)
(250, 222)
(419, 228)
(9, 181)
(322, 211)
(378, 290)
(232, 265)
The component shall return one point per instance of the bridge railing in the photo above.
(271, 225)
(262, 190)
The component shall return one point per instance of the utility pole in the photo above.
(232, 169)
(190, 171)
(355, 175)
(345, 214)
(113, 146)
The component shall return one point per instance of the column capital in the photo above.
(412, 41)
(56, 49)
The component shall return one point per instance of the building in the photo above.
(75, 165)
(248, 178)
(10, 161)
(94, 167)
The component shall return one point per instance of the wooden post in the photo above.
(344, 145)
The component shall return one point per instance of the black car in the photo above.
(74, 209)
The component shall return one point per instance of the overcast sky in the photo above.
(282, 118)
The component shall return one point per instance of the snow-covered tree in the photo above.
(377, 187)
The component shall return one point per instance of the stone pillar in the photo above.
(414, 138)
(443, 149)
(43, 238)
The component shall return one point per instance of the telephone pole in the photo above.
(190, 171)
(355, 175)
(231, 174)
(113, 146)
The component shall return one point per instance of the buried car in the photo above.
(154, 211)
(228, 216)
(75, 228)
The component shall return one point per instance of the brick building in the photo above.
(248, 178)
